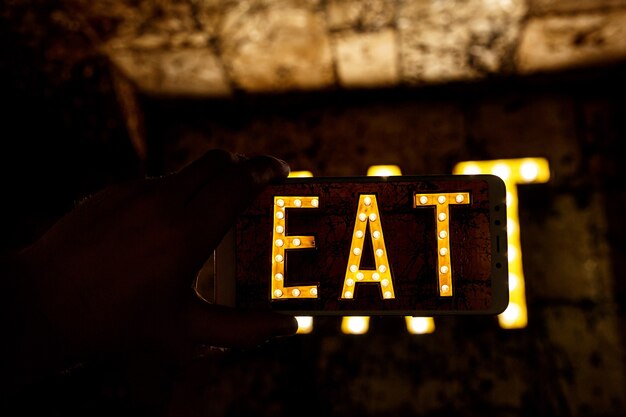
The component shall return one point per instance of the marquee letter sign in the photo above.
(362, 246)
(368, 218)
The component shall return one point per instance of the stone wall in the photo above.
(219, 47)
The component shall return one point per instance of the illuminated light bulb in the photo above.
(356, 251)
(441, 199)
(379, 252)
(349, 282)
(512, 253)
(375, 276)
(280, 229)
(355, 325)
(347, 294)
(279, 277)
(367, 201)
(443, 234)
(373, 217)
(387, 294)
(501, 170)
(420, 325)
(362, 217)
(445, 289)
(444, 269)
(359, 276)
(280, 215)
(513, 282)
(297, 202)
(443, 251)
(423, 199)
(529, 171)
(305, 324)
(279, 258)
(383, 170)
(279, 242)
(511, 226)
(315, 202)
(376, 234)
(359, 234)
(354, 268)
(300, 174)
(471, 169)
(295, 292)
(296, 242)
(384, 282)
(459, 198)
(442, 217)
(280, 202)
(278, 293)
(511, 314)
(509, 198)
(382, 268)
(313, 291)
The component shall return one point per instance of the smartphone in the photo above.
(406, 245)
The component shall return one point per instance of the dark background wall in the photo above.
(561, 364)
(66, 135)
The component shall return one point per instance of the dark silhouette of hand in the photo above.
(116, 273)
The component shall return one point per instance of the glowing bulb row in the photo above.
(368, 214)
(512, 172)
(521, 170)
(283, 242)
(360, 325)
(442, 203)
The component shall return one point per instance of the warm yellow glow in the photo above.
(300, 174)
(502, 170)
(512, 316)
(305, 324)
(512, 172)
(355, 324)
(513, 282)
(281, 242)
(368, 214)
(415, 325)
(509, 197)
(471, 169)
(441, 202)
(420, 325)
(529, 171)
(383, 171)
(373, 171)
(512, 226)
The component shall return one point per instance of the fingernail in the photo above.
(267, 169)
(284, 169)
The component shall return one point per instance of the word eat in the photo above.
(367, 214)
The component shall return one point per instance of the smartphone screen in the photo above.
(420, 246)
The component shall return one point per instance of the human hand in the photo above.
(116, 273)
